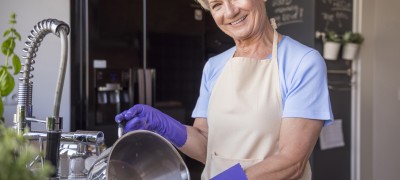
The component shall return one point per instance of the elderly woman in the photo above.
(262, 103)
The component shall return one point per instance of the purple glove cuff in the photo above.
(178, 135)
(234, 173)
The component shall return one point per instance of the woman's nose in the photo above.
(230, 10)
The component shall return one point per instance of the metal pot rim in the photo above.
(133, 133)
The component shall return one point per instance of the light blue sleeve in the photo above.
(307, 93)
(201, 107)
(212, 70)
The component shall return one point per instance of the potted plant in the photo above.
(7, 82)
(351, 42)
(332, 42)
(16, 154)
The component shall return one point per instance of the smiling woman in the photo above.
(246, 22)
(262, 103)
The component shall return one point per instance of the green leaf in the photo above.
(6, 82)
(13, 15)
(16, 63)
(1, 107)
(17, 35)
(15, 153)
(12, 22)
(6, 32)
(7, 47)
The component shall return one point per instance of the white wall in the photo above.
(47, 61)
(380, 86)
(386, 124)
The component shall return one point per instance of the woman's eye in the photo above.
(215, 5)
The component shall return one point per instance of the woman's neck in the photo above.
(256, 47)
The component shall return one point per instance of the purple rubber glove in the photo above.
(233, 173)
(145, 117)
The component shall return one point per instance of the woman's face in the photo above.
(240, 19)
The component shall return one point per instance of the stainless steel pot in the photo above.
(141, 155)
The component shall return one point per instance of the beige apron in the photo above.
(244, 114)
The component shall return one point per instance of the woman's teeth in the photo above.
(239, 20)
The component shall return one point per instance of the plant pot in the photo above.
(350, 51)
(331, 50)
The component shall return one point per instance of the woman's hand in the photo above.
(144, 117)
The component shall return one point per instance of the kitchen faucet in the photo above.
(23, 117)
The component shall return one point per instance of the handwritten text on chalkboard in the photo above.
(287, 12)
(336, 13)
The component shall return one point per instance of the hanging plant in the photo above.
(351, 42)
(352, 37)
(332, 43)
(332, 36)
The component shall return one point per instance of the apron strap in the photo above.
(273, 23)
(275, 42)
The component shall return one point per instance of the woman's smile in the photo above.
(238, 21)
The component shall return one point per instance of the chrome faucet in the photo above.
(74, 151)
(23, 116)
(55, 139)
(24, 107)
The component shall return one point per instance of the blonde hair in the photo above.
(204, 4)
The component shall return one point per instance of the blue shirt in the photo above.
(302, 77)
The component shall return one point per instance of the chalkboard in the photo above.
(300, 19)
(334, 15)
(294, 18)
